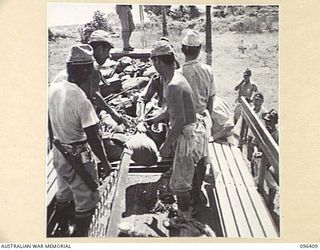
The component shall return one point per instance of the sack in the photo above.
(144, 150)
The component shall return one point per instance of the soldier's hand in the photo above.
(150, 121)
(106, 166)
(125, 121)
(141, 127)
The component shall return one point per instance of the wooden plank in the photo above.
(226, 215)
(50, 167)
(235, 201)
(51, 184)
(51, 192)
(118, 204)
(249, 206)
(51, 178)
(262, 212)
(237, 178)
(242, 167)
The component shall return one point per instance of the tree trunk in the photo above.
(208, 29)
(208, 35)
(164, 22)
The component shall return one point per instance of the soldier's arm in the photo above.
(238, 86)
(212, 93)
(95, 143)
(101, 103)
(98, 100)
(89, 122)
(162, 116)
(254, 89)
(146, 96)
(210, 104)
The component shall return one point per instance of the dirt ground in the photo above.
(260, 55)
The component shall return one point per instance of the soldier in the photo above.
(245, 88)
(186, 136)
(201, 79)
(155, 86)
(127, 24)
(260, 111)
(99, 40)
(75, 124)
(271, 120)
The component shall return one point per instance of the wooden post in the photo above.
(208, 35)
(208, 29)
(164, 22)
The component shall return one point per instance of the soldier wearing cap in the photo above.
(245, 88)
(260, 111)
(75, 124)
(271, 121)
(185, 136)
(201, 79)
(127, 24)
(99, 40)
(155, 86)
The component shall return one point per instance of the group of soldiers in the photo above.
(255, 98)
(188, 104)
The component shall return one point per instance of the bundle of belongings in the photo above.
(128, 77)
(186, 227)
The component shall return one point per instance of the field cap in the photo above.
(163, 38)
(161, 48)
(191, 39)
(258, 96)
(80, 54)
(247, 72)
(100, 36)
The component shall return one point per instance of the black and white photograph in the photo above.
(135, 94)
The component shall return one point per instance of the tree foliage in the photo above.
(182, 12)
(156, 10)
(99, 22)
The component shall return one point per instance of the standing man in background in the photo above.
(127, 24)
(245, 88)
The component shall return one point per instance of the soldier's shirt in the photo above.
(201, 79)
(70, 112)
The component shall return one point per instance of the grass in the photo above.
(261, 56)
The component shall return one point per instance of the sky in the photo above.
(80, 13)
